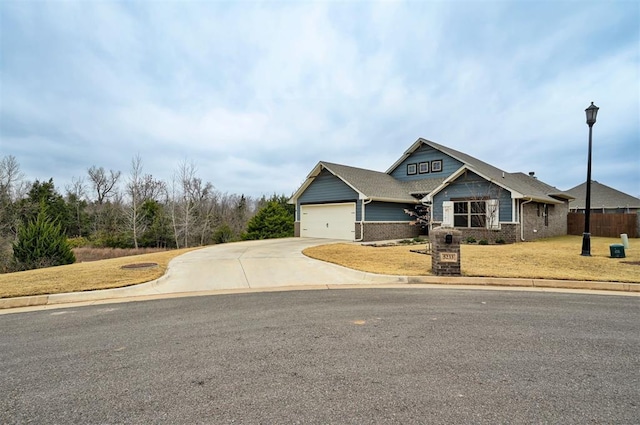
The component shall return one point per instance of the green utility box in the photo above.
(617, 250)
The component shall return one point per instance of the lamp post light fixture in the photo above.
(592, 112)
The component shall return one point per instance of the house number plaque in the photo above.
(449, 257)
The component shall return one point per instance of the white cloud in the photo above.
(258, 92)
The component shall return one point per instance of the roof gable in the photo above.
(378, 186)
(519, 184)
(601, 196)
(369, 184)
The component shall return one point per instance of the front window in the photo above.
(470, 214)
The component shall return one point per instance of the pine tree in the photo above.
(272, 221)
(41, 243)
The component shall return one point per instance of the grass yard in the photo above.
(553, 258)
(95, 254)
(86, 276)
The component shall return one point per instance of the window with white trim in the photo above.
(471, 214)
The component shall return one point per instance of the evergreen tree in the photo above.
(44, 193)
(41, 243)
(272, 221)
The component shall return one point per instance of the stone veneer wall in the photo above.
(381, 231)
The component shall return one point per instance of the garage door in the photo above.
(334, 221)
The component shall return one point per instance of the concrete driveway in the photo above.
(269, 263)
(279, 263)
(258, 264)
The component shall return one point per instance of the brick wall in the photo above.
(439, 266)
(507, 233)
(380, 231)
(537, 226)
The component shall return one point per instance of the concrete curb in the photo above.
(148, 290)
(528, 283)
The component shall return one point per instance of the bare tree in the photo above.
(151, 188)
(10, 176)
(134, 189)
(105, 187)
(76, 196)
(103, 184)
(140, 188)
(188, 196)
(12, 188)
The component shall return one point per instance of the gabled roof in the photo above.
(519, 184)
(378, 186)
(369, 184)
(533, 184)
(602, 196)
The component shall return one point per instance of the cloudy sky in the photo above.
(256, 93)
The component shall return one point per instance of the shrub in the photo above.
(41, 243)
(470, 239)
(483, 242)
(500, 241)
(78, 242)
(5, 257)
(109, 240)
(272, 221)
(223, 234)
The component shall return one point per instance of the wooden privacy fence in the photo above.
(607, 225)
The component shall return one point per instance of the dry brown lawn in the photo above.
(94, 254)
(103, 274)
(553, 258)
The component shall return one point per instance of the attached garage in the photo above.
(331, 221)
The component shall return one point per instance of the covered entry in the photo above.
(332, 221)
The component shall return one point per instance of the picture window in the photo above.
(470, 214)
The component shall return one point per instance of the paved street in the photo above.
(336, 356)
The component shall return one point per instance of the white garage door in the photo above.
(334, 221)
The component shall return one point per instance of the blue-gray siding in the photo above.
(387, 211)
(426, 154)
(471, 186)
(327, 188)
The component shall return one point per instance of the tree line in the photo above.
(106, 208)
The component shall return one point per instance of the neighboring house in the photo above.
(604, 199)
(342, 202)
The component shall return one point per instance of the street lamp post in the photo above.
(591, 112)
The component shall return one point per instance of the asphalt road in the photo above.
(340, 356)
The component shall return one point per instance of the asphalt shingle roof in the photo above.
(526, 185)
(601, 196)
(382, 186)
(373, 184)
